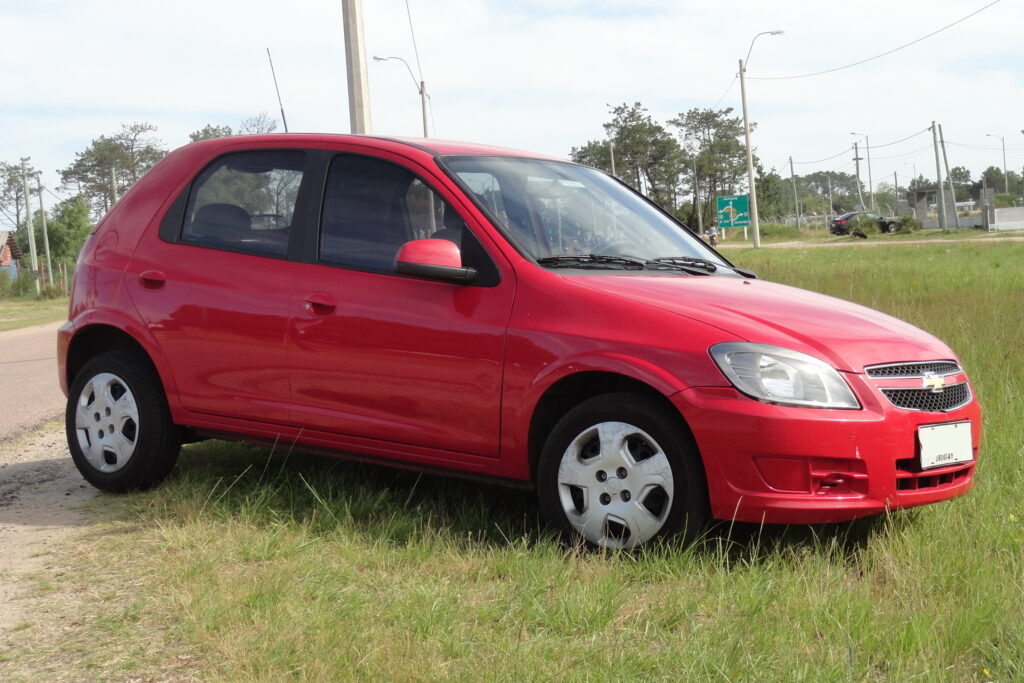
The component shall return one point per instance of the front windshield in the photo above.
(553, 208)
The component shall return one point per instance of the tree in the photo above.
(12, 193)
(209, 132)
(647, 157)
(960, 177)
(128, 154)
(67, 227)
(720, 156)
(260, 124)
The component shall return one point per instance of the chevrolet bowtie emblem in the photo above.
(936, 384)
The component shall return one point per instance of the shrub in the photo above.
(865, 225)
(906, 224)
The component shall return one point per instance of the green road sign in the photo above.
(733, 211)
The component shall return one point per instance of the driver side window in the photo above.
(373, 207)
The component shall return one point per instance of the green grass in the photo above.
(262, 564)
(16, 313)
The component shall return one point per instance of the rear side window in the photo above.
(372, 207)
(245, 201)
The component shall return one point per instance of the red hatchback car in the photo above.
(451, 306)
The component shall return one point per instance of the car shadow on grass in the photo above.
(258, 485)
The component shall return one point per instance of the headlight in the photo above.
(777, 375)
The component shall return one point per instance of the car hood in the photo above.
(847, 335)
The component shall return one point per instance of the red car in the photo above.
(494, 313)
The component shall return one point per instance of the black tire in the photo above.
(119, 429)
(584, 485)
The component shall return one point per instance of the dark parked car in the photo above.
(845, 223)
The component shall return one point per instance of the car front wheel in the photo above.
(618, 472)
(118, 426)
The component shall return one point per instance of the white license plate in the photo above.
(945, 444)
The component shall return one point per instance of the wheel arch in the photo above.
(571, 390)
(98, 338)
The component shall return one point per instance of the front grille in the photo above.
(938, 368)
(942, 401)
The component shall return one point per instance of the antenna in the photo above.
(277, 90)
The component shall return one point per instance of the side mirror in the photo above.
(434, 259)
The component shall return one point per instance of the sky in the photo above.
(532, 74)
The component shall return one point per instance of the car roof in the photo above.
(434, 147)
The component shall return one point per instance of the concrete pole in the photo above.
(423, 102)
(46, 236)
(611, 151)
(949, 178)
(938, 177)
(34, 261)
(696, 198)
(871, 182)
(750, 160)
(831, 210)
(1006, 176)
(895, 193)
(796, 200)
(355, 67)
(856, 159)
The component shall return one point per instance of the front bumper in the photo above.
(780, 464)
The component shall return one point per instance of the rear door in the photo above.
(214, 287)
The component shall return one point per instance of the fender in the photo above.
(111, 317)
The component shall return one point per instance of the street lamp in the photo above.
(746, 136)
(421, 88)
(1006, 178)
(696, 188)
(871, 184)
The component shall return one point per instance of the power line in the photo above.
(879, 56)
(960, 144)
(846, 150)
(906, 154)
(415, 50)
(731, 83)
(890, 144)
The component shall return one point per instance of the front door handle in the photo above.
(153, 279)
(320, 303)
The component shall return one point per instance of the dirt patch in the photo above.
(41, 499)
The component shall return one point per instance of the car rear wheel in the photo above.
(618, 472)
(119, 429)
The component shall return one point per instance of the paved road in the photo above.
(29, 393)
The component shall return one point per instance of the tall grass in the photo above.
(267, 564)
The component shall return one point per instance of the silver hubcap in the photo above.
(615, 485)
(107, 422)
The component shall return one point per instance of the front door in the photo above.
(392, 358)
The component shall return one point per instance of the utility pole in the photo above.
(856, 158)
(796, 201)
(750, 160)
(28, 225)
(46, 236)
(611, 151)
(355, 67)
(831, 211)
(938, 177)
(949, 178)
(895, 192)
(113, 187)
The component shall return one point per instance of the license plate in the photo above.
(945, 444)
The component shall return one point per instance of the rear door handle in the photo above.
(153, 279)
(321, 303)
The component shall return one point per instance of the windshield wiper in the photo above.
(593, 261)
(690, 264)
